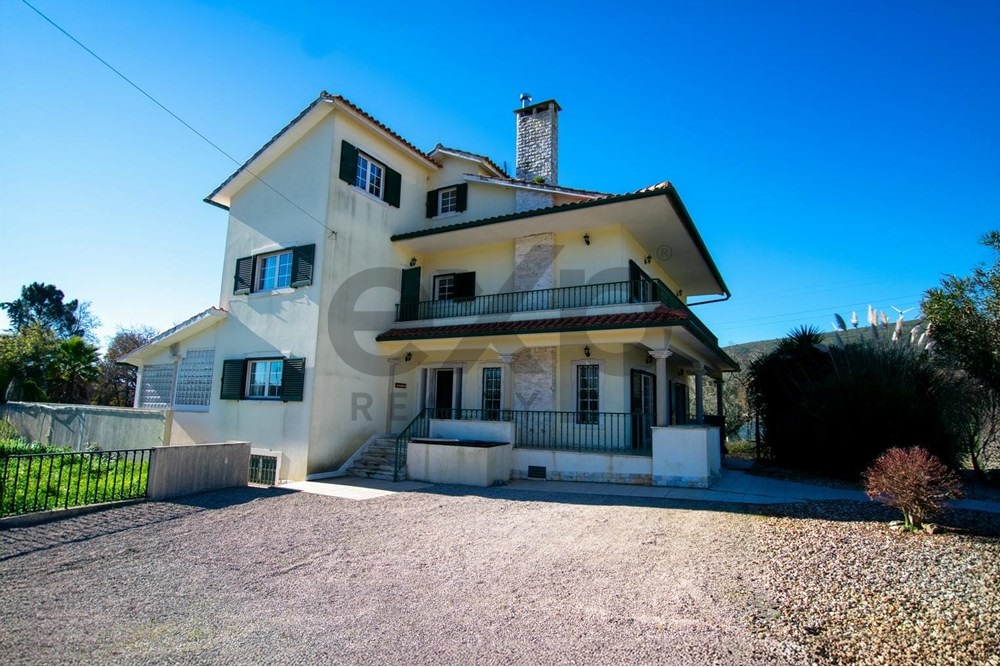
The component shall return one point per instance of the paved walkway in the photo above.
(736, 486)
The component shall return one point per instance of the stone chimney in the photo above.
(537, 141)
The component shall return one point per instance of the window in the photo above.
(157, 386)
(263, 379)
(450, 199)
(588, 393)
(194, 380)
(370, 175)
(363, 171)
(492, 392)
(444, 287)
(274, 271)
(292, 267)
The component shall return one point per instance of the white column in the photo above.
(699, 395)
(662, 404)
(507, 382)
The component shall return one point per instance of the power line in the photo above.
(175, 116)
(780, 318)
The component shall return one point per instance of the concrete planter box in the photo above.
(458, 462)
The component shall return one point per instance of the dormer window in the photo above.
(449, 199)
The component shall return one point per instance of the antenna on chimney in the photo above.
(525, 99)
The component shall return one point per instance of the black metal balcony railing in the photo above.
(558, 298)
(600, 432)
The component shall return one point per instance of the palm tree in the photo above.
(75, 367)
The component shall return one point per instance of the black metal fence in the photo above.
(37, 482)
(597, 432)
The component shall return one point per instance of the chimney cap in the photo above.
(531, 108)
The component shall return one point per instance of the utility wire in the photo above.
(175, 116)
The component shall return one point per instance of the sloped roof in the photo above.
(475, 157)
(203, 320)
(324, 98)
(540, 187)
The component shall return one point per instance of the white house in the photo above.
(370, 287)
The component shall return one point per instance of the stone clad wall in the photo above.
(535, 379)
(534, 262)
(538, 144)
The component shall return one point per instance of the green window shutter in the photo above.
(465, 285)
(393, 186)
(243, 280)
(302, 264)
(348, 163)
(432, 203)
(293, 379)
(234, 374)
(409, 294)
(462, 196)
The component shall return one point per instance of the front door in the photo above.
(643, 408)
(444, 392)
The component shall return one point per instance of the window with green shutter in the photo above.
(292, 267)
(449, 199)
(361, 170)
(280, 379)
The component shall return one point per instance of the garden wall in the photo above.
(78, 426)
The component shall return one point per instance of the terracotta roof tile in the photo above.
(660, 316)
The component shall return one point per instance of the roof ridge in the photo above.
(478, 156)
(382, 126)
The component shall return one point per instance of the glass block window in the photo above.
(157, 386)
(194, 379)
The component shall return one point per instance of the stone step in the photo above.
(385, 467)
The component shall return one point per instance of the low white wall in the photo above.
(584, 467)
(686, 456)
(457, 464)
(77, 426)
(180, 470)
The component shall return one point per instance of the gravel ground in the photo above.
(496, 576)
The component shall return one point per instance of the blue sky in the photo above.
(831, 154)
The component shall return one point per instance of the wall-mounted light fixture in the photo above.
(647, 259)
(413, 261)
(586, 239)
(649, 358)
(586, 351)
(680, 292)
(409, 355)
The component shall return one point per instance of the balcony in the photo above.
(628, 292)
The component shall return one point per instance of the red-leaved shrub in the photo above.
(913, 481)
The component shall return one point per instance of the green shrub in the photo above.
(837, 409)
(8, 431)
(914, 482)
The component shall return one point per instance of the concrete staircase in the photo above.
(377, 462)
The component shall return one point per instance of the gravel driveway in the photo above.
(448, 575)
